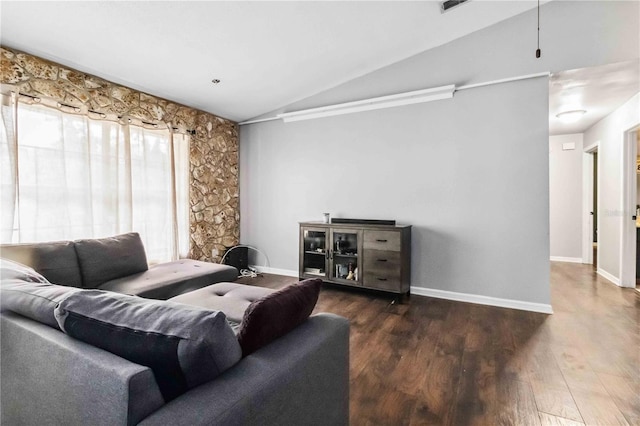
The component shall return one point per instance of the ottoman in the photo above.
(231, 298)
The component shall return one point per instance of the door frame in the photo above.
(628, 209)
(587, 202)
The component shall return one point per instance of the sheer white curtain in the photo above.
(8, 173)
(84, 178)
(182, 175)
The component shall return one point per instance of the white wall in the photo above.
(565, 198)
(610, 132)
(471, 174)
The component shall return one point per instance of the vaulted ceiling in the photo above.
(265, 54)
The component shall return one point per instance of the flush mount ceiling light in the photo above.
(571, 116)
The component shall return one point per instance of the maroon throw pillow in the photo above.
(277, 314)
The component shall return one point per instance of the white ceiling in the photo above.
(597, 90)
(267, 54)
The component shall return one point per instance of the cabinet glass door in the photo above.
(314, 253)
(345, 260)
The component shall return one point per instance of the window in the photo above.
(67, 176)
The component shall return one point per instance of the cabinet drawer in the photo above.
(382, 240)
(381, 262)
(382, 281)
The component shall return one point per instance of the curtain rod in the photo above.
(456, 89)
(79, 109)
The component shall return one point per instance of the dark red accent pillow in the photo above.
(277, 314)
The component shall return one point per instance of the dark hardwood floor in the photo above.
(432, 361)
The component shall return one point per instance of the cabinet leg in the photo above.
(402, 298)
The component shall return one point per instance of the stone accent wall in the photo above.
(215, 213)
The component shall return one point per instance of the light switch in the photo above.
(568, 146)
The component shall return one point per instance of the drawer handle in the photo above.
(382, 279)
(381, 241)
(382, 260)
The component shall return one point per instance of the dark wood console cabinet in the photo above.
(370, 256)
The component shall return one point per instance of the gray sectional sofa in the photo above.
(52, 376)
(116, 264)
(49, 378)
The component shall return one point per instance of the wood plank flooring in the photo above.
(438, 362)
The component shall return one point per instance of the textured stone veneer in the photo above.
(214, 217)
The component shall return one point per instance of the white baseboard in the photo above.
(442, 294)
(275, 271)
(608, 276)
(482, 300)
(566, 259)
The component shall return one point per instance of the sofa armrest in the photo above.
(50, 378)
(300, 379)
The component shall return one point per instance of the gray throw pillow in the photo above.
(27, 295)
(184, 346)
(105, 259)
(15, 270)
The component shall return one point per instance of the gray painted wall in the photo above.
(474, 187)
(565, 197)
(471, 173)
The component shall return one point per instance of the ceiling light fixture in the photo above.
(571, 116)
(215, 81)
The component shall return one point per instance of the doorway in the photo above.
(637, 212)
(629, 240)
(594, 210)
(590, 202)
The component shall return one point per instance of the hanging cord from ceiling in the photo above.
(538, 51)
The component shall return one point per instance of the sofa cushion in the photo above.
(231, 298)
(105, 259)
(184, 346)
(57, 261)
(169, 279)
(29, 294)
(276, 314)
